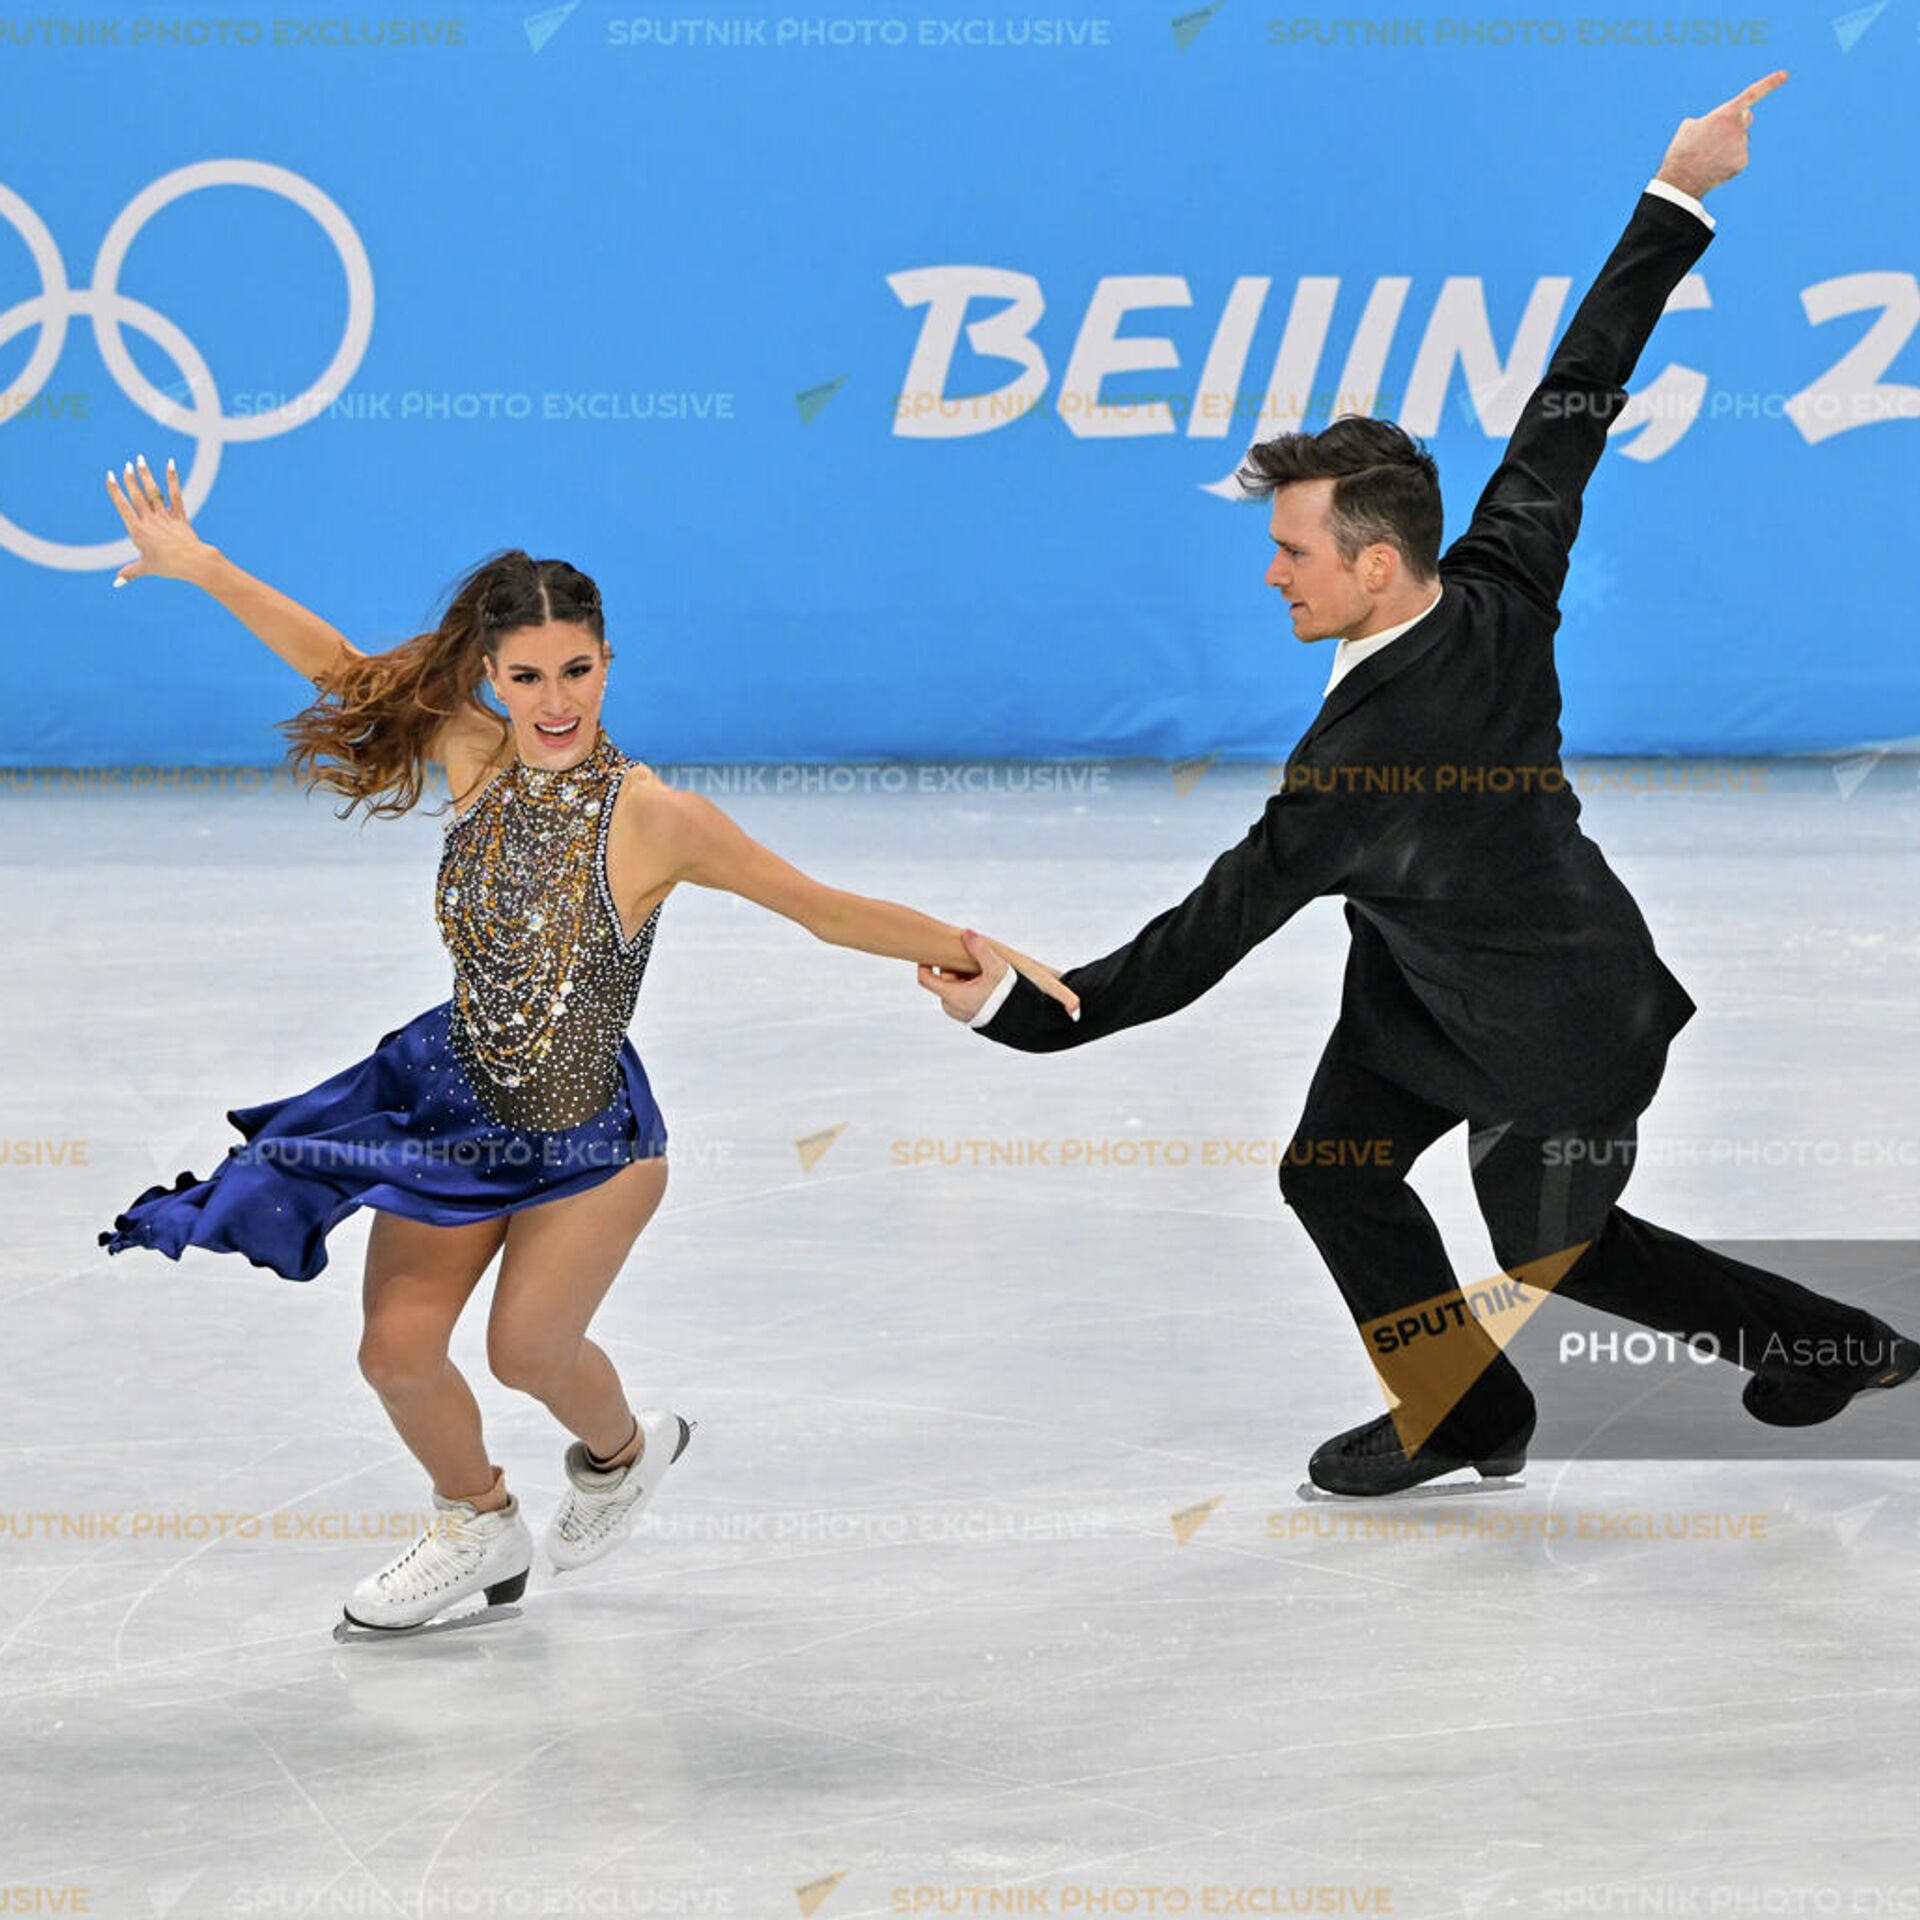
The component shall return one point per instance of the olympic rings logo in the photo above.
(109, 309)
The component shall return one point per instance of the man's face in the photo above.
(1324, 594)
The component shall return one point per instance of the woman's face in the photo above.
(551, 680)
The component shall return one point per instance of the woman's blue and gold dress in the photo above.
(521, 1087)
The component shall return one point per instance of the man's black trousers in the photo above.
(1345, 1174)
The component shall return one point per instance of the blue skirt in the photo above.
(400, 1131)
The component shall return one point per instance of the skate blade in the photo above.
(1426, 1490)
(348, 1632)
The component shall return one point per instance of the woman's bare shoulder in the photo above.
(472, 749)
(671, 824)
(647, 804)
(650, 830)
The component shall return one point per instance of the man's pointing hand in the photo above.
(1707, 152)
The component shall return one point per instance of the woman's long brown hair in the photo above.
(378, 714)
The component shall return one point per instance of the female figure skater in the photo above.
(514, 1117)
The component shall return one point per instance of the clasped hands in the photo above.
(962, 995)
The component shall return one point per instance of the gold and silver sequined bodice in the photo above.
(544, 982)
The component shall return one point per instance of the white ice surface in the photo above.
(914, 1610)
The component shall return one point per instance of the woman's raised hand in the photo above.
(157, 524)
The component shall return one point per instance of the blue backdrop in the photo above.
(879, 366)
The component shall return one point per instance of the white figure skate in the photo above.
(598, 1509)
(464, 1552)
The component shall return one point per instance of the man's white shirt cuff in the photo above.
(995, 1000)
(1666, 190)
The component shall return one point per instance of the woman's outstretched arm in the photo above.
(697, 842)
(169, 548)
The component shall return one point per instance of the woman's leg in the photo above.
(418, 1277)
(560, 1259)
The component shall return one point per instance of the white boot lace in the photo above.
(446, 1552)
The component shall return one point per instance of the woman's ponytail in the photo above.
(378, 714)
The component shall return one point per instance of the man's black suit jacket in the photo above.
(1497, 965)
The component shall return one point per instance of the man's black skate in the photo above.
(1806, 1402)
(1370, 1460)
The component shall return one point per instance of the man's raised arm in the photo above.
(1524, 523)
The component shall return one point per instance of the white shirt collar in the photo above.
(1350, 653)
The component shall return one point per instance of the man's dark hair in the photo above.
(1385, 485)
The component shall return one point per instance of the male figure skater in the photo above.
(1498, 971)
